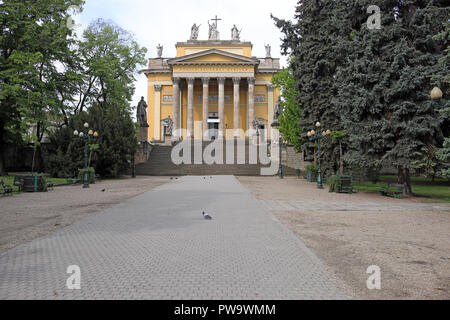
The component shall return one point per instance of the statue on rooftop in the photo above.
(194, 31)
(159, 49)
(213, 31)
(235, 33)
(268, 49)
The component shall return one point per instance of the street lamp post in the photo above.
(86, 136)
(318, 136)
(276, 125)
(436, 94)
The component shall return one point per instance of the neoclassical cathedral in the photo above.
(211, 89)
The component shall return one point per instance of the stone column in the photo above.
(270, 109)
(157, 114)
(237, 107)
(176, 109)
(205, 108)
(190, 115)
(221, 82)
(251, 105)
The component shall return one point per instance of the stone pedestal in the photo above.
(143, 132)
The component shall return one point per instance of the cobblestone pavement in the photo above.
(158, 246)
(317, 205)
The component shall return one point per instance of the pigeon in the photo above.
(206, 216)
(103, 190)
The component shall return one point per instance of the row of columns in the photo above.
(205, 103)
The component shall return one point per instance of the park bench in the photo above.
(393, 190)
(6, 189)
(345, 184)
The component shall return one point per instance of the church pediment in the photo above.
(213, 56)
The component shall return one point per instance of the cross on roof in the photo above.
(216, 19)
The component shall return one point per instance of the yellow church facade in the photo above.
(212, 89)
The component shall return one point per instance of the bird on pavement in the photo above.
(103, 190)
(206, 216)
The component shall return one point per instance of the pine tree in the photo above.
(384, 87)
(312, 40)
(442, 80)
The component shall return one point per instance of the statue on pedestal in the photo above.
(141, 114)
(277, 113)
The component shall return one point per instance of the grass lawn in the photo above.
(437, 191)
(56, 181)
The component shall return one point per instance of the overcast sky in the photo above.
(167, 22)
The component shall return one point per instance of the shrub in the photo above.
(91, 172)
(333, 183)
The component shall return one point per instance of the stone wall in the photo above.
(294, 160)
(143, 153)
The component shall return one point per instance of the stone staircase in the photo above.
(160, 164)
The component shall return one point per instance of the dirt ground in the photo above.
(27, 216)
(410, 245)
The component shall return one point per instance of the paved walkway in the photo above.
(158, 246)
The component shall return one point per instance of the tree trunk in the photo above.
(3, 171)
(405, 178)
(34, 157)
(341, 159)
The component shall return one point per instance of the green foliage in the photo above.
(109, 57)
(372, 84)
(443, 155)
(290, 109)
(35, 45)
(333, 183)
(48, 78)
(91, 175)
(310, 41)
(442, 79)
(338, 135)
(115, 144)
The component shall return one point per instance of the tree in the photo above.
(384, 88)
(311, 40)
(290, 110)
(108, 61)
(442, 79)
(339, 136)
(109, 57)
(34, 41)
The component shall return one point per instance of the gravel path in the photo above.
(27, 216)
(407, 239)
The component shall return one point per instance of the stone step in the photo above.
(160, 164)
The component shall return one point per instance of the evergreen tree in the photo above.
(312, 41)
(384, 88)
(442, 80)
